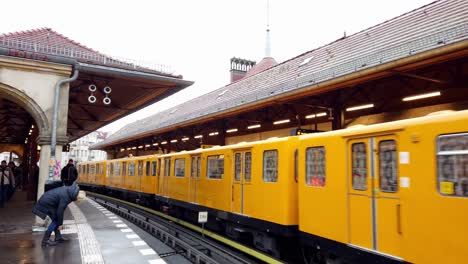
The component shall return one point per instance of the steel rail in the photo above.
(197, 245)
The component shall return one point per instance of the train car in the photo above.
(139, 178)
(396, 191)
(248, 189)
(91, 175)
(83, 176)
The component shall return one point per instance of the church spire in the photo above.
(268, 44)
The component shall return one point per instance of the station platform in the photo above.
(95, 235)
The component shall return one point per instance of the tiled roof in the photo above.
(47, 41)
(429, 27)
(265, 64)
(47, 36)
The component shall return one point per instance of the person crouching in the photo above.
(53, 204)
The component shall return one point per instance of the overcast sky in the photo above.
(198, 38)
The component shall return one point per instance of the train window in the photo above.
(87, 169)
(179, 168)
(388, 170)
(359, 166)
(124, 168)
(315, 166)
(270, 166)
(248, 166)
(131, 169)
(195, 167)
(452, 164)
(140, 168)
(215, 167)
(237, 167)
(148, 168)
(111, 169)
(167, 167)
(154, 165)
(92, 169)
(117, 168)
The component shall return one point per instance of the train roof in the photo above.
(394, 125)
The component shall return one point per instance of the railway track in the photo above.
(197, 245)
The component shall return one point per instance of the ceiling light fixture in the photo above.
(279, 122)
(421, 96)
(316, 115)
(254, 126)
(359, 107)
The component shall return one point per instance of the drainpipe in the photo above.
(55, 121)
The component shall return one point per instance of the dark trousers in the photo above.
(52, 226)
(3, 195)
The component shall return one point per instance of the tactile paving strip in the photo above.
(89, 246)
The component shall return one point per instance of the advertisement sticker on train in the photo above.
(447, 188)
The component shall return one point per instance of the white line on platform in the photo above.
(126, 230)
(148, 251)
(121, 225)
(112, 217)
(139, 243)
(157, 261)
(117, 221)
(132, 236)
(89, 246)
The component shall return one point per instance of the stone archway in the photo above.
(28, 104)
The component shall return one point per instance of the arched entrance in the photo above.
(22, 120)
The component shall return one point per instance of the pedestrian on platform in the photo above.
(69, 174)
(14, 175)
(7, 182)
(53, 204)
(18, 172)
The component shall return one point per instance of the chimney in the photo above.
(239, 67)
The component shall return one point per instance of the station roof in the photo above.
(404, 36)
(134, 84)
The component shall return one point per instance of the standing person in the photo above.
(53, 204)
(7, 181)
(69, 174)
(17, 172)
(14, 174)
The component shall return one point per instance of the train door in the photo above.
(374, 200)
(194, 176)
(164, 183)
(242, 176)
(139, 178)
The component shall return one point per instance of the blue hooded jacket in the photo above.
(54, 202)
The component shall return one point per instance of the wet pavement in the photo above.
(18, 244)
(95, 235)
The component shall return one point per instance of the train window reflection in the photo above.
(140, 168)
(179, 168)
(270, 166)
(248, 166)
(315, 166)
(154, 165)
(388, 170)
(452, 164)
(131, 169)
(167, 167)
(148, 168)
(359, 166)
(215, 167)
(124, 168)
(237, 167)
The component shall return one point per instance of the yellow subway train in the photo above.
(390, 192)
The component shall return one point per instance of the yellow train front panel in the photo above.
(398, 189)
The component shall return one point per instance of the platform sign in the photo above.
(202, 217)
(301, 131)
